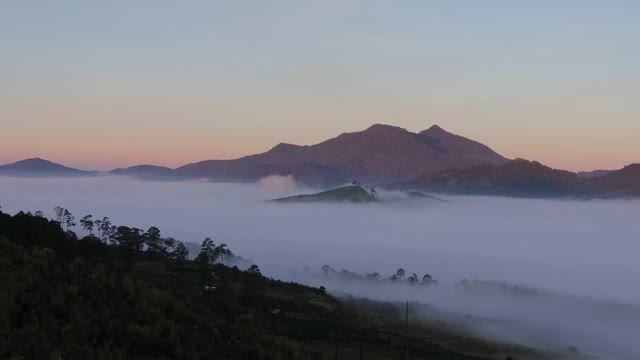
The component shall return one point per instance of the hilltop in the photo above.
(354, 194)
(358, 194)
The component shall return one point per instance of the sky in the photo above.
(104, 84)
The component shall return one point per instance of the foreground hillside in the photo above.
(82, 299)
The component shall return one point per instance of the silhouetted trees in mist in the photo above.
(398, 277)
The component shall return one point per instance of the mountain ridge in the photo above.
(524, 178)
(377, 154)
(432, 160)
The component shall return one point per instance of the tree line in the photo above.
(150, 242)
(130, 239)
(398, 277)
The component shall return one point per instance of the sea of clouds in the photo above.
(583, 252)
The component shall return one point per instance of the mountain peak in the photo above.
(36, 161)
(383, 127)
(434, 130)
(33, 160)
(284, 147)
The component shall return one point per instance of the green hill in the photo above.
(354, 194)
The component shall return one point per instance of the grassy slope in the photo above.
(315, 323)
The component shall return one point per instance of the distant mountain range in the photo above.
(527, 179)
(145, 171)
(621, 183)
(432, 160)
(594, 173)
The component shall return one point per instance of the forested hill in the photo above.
(139, 298)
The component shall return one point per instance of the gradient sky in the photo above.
(103, 84)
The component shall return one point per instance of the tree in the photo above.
(207, 249)
(69, 219)
(170, 243)
(326, 269)
(373, 276)
(168, 246)
(39, 214)
(130, 239)
(180, 254)
(400, 273)
(111, 232)
(88, 224)
(413, 279)
(346, 274)
(152, 240)
(98, 226)
(427, 279)
(59, 214)
(254, 269)
(222, 254)
(106, 229)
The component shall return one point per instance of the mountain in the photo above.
(381, 153)
(620, 183)
(514, 178)
(145, 171)
(244, 170)
(528, 179)
(594, 173)
(40, 167)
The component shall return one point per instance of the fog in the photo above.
(576, 248)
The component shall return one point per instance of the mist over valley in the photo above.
(578, 257)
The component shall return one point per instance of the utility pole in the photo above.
(406, 316)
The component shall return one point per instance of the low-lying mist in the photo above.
(573, 249)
